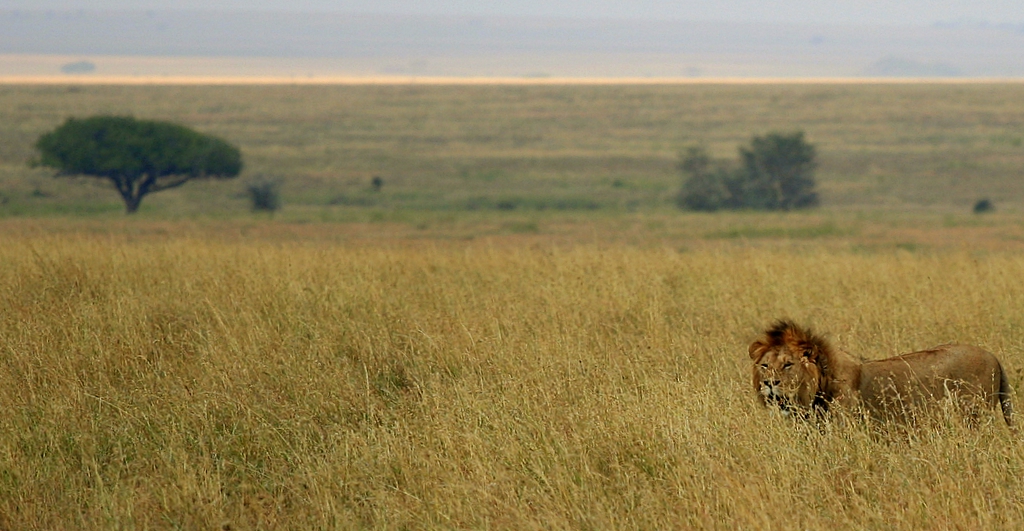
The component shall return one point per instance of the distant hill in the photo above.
(418, 43)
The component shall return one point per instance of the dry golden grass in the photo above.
(160, 379)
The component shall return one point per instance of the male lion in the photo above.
(798, 371)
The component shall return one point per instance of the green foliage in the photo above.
(983, 206)
(706, 188)
(776, 173)
(139, 156)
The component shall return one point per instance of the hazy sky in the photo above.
(915, 12)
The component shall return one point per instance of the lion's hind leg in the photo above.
(1006, 397)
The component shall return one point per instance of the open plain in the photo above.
(519, 330)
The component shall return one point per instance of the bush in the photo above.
(983, 206)
(776, 172)
(706, 187)
(264, 194)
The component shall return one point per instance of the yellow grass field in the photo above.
(520, 330)
(169, 376)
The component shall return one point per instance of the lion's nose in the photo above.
(773, 383)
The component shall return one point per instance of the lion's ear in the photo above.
(755, 349)
(811, 353)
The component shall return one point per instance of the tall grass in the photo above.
(172, 381)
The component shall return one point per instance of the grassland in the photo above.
(160, 379)
(577, 149)
(519, 331)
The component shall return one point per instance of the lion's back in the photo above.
(926, 375)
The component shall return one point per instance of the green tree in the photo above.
(139, 156)
(778, 173)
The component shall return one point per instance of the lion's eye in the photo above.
(764, 366)
(786, 365)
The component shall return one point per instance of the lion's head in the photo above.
(790, 366)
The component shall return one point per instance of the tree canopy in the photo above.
(779, 172)
(139, 156)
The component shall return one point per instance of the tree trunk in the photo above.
(131, 191)
(132, 204)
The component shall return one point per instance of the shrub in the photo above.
(705, 188)
(264, 193)
(776, 172)
(983, 206)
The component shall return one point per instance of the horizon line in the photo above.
(482, 80)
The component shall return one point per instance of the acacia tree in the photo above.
(139, 156)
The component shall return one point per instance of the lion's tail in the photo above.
(1005, 393)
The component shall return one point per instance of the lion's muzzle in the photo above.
(771, 390)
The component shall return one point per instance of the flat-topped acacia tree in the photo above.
(139, 156)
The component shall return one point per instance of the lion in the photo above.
(798, 372)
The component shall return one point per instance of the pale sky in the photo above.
(897, 12)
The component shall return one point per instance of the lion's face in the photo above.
(785, 376)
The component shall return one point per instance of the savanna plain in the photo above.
(518, 330)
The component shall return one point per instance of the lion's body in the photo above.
(797, 370)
